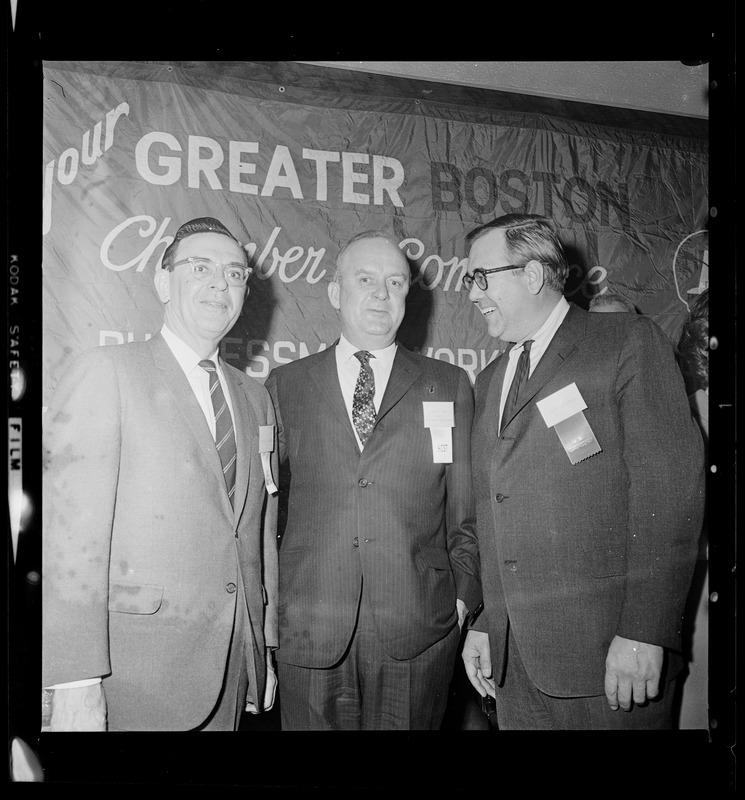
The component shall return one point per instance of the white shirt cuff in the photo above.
(75, 684)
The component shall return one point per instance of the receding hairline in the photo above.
(371, 235)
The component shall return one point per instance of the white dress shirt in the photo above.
(541, 340)
(198, 378)
(348, 369)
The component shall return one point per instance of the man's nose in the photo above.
(218, 280)
(381, 290)
(474, 293)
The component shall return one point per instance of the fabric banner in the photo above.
(132, 150)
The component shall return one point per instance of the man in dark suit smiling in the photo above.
(378, 563)
(588, 475)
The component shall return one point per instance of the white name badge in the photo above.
(562, 411)
(266, 448)
(561, 405)
(439, 417)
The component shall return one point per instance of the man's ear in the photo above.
(333, 290)
(163, 285)
(535, 274)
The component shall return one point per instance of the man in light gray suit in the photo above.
(378, 564)
(588, 475)
(160, 562)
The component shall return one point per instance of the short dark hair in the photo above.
(608, 298)
(198, 225)
(693, 347)
(529, 237)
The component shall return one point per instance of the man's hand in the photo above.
(477, 658)
(632, 669)
(81, 708)
(269, 691)
(462, 612)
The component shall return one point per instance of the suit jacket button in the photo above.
(499, 497)
(230, 588)
(356, 542)
(362, 482)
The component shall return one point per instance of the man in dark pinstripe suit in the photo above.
(379, 561)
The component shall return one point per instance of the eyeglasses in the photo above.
(204, 269)
(479, 276)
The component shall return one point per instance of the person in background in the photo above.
(159, 537)
(379, 561)
(588, 475)
(693, 357)
(614, 303)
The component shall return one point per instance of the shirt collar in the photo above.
(346, 350)
(545, 333)
(185, 356)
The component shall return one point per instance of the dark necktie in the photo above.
(518, 381)
(224, 432)
(363, 407)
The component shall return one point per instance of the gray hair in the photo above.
(609, 298)
(358, 237)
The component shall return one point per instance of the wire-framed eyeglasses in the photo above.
(478, 276)
(204, 269)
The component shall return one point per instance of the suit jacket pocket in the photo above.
(135, 598)
(606, 560)
(435, 557)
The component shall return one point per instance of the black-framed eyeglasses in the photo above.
(478, 276)
(205, 269)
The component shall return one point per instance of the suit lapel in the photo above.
(404, 372)
(185, 403)
(489, 397)
(326, 377)
(561, 348)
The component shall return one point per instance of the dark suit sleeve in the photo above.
(663, 455)
(82, 445)
(460, 509)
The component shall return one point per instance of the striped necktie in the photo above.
(518, 381)
(363, 407)
(224, 431)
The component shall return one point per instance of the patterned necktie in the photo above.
(224, 432)
(363, 407)
(518, 381)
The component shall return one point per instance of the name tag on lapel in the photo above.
(439, 417)
(266, 448)
(562, 411)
